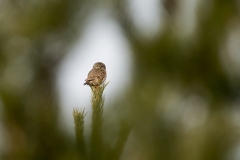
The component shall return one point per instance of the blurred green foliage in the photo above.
(182, 102)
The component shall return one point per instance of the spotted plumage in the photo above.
(97, 75)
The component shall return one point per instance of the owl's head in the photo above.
(99, 65)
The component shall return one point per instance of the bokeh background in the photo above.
(173, 67)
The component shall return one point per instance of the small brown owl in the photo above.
(97, 75)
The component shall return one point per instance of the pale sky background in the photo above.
(102, 41)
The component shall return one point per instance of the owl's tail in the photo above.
(86, 83)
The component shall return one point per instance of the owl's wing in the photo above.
(95, 74)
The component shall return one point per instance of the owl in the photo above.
(97, 75)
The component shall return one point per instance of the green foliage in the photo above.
(78, 116)
(97, 99)
(98, 150)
